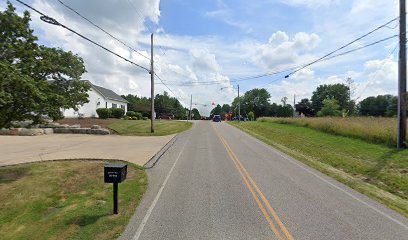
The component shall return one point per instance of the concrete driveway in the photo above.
(21, 149)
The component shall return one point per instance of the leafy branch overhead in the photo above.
(35, 80)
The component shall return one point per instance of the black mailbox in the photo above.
(115, 173)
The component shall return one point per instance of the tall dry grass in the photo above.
(371, 129)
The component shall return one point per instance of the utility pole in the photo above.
(239, 106)
(191, 103)
(294, 102)
(152, 87)
(402, 80)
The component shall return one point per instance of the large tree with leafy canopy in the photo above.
(35, 80)
(338, 92)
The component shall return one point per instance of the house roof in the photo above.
(107, 93)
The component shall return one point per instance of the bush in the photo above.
(104, 113)
(117, 112)
(134, 118)
(138, 115)
(144, 118)
(251, 116)
(131, 114)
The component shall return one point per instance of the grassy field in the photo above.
(65, 200)
(142, 128)
(371, 129)
(378, 171)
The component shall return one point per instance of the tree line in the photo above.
(326, 100)
(164, 105)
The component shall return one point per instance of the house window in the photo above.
(114, 105)
(122, 106)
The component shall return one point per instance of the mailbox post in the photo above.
(115, 173)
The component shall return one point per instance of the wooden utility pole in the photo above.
(191, 104)
(294, 103)
(239, 106)
(402, 80)
(152, 87)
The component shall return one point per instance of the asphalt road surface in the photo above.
(216, 182)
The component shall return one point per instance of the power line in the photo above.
(342, 47)
(375, 76)
(100, 28)
(51, 20)
(165, 85)
(205, 83)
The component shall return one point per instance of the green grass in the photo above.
(142, 128)
(378, 171)
(65, 200)
(371, 129)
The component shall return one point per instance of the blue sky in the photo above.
(222, 40)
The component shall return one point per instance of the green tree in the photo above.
(256, 100)
(138, 104)
(26, 68)
(305, 107)
(284, 111)
(339, 92)
(196, 114)
(235, 103)
(226, 108)
(381, 105)
(216, 111)
(330, 108)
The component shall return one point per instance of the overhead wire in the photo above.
(51, 20)
(103, 30)
(298, 68)
(375, 75)
(342, 47)
(204, 83)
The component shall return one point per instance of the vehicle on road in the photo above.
(217, 118)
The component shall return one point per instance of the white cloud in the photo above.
(281, 51)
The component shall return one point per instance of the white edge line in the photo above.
(156, 199)
(271, 148)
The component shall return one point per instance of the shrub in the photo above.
(134, 118)
(144, 118)
(103, 113)
(131, 114)
(251, 116)
(138, 115)
(117, 112)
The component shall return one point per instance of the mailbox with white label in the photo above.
(115, 173)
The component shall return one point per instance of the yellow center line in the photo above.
(244, 173)
(265, 213)
(271, 210)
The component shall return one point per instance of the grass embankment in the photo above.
(65, 200)
(378, 171)
(370, 129)
(142, 128)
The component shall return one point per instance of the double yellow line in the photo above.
(257, 194)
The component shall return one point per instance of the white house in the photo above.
(99, 97)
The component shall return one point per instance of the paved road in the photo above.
(22, 149)
(216, 182)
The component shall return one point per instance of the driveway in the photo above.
(21, 149)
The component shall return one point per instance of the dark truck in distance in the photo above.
(217, 118)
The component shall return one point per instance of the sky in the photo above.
(224, 43)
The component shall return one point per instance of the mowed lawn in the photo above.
(142, 127)
(378, 171)
(65, 200)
